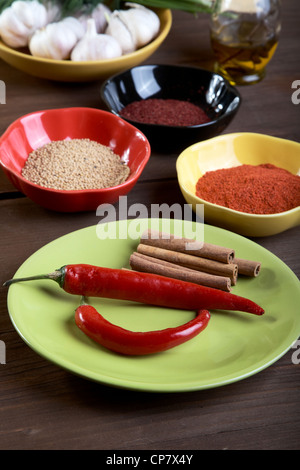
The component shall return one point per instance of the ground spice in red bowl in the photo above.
(255, 189)
(168, 112)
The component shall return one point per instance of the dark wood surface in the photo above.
(45, 407)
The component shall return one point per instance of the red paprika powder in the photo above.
(169, 112)
(261, 189)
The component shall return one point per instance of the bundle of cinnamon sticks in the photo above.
(189, 260)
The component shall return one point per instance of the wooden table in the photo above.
(46, 407)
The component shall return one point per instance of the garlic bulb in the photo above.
(142, 22)
(117, 28)
(100, 14)
(95, 46)
(56, 40)
(19, 21)
(133, 28)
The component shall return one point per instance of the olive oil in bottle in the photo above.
(243, 63)
(244, 37)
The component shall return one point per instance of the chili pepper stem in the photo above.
(84, 300)
(57, 276)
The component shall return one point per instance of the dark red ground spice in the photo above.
(169, 112)
(261, 189)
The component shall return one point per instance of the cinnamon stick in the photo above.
(188, 246)
(247, 267)
(190, 261)
(144, 263)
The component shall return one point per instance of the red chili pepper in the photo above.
(123, 284)
(132, 343)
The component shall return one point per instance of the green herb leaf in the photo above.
(191, 6)
(70, 7)
(5, 4)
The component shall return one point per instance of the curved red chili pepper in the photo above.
(123, 284)
(132, 343)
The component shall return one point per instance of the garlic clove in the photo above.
(94, 46)
(118, 29)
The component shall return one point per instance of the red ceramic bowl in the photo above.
(39, 128)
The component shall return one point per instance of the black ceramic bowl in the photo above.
(206, 89)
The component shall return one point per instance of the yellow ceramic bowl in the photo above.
(231, 150)
(68, 71)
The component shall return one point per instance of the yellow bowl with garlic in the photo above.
(69, 71)
(232, 150)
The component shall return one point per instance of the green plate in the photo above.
(234, 346)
